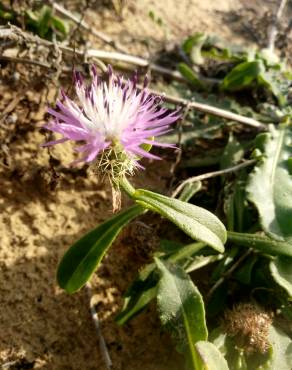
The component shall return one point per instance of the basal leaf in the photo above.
(270, 183)
(44, 21)
(84, 256)
(270, 81)
(144, 288)
(60, 25)
(196, 222)
(190, 190)
(209, 357)
(242, 219)
(167, 246)
(281, 270)
(139, 294)
(232, 153)
(280, 353)
(242, 75)
(244, 274)
(181, 309)
(192, 46)
(189, 74)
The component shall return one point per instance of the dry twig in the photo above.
(100, 35)
(274, 27)
(209, 109)
(179, 144)
(102, 344)
(227, 274)
(17, 35)
(211, 174)
(108, 40)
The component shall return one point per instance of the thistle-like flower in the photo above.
(115, 122)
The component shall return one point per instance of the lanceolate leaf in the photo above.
(181, 309)
(193, 45)
(232, 153)
(196, 222)
(209, 357)
(82, 259)
(281, 270)
(139, 294)
(242, 75)
(190, 75)
(190, 190)
(144, 288)
(270, 184)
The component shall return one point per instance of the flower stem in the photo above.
(127, 187)
(261, 243)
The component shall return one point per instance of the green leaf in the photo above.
(44, 21)
(60, 25)
(144, 288)
(190, 75)
(280, 354)
(270, 184)
(269, 80)
(147, 147)
(281, 270)
(167, 246)
(190, 190)
(209, 357)
(139, 294)
(236, 356)
(232, 154)
(239, 215)
(218, 301)
(181, 309)
(242, 75)
(84, 256)
(260, 243)
(218, 338)
(244, 274)
(6, 14)
(221, 267)
(196, 222)
(197, 262)
(184, 252)
(192, 46)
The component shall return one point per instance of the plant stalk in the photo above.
(261, 243)
(127, 187)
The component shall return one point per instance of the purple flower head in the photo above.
(114, 120)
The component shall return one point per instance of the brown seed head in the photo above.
(249, 325)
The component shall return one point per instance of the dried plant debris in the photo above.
(249, 325)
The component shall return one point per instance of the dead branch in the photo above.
(100, 35)
(227, 274)
(25, 61)
(211, 174)
(274, 27)
(20, 36)
(209, 109)
(102, 344)
(16, 34)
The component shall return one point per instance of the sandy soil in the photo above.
(40, 325)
